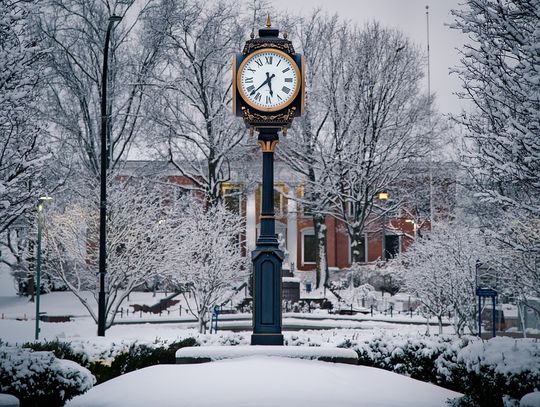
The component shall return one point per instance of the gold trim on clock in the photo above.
(281, 105)
(303, 94)
(234, 84)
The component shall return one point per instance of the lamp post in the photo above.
(383, 197)
(103, 179)
(40, 204)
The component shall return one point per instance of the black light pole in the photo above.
(40, 204)
(103, 193)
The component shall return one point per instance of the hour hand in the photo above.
(269, 81)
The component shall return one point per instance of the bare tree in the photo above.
(210, 264)
(440, 270)
(74, 31)
(23, 152)
(376, 122)
(302, 147)
(192, 118)
(141, 244)
(499, 73)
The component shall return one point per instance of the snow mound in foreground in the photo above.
(264, 382)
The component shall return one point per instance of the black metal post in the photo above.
(38, 265)
(103, 181)
(493, 302)
(267, 258)
(479, 317)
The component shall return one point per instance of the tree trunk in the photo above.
(31, 289)
(321, 271)
(356, 245)
(202, 323)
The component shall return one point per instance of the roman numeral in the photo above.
(285, 89)
(269, 60)
(268, 100)
(259, 62)
(250, 80)
(252, 70)
(279, 62)
(286, 80)
(286, 69)
(258, 97)
(279, 97)
(250, 88)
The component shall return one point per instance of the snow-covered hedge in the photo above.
(415, 356)
(487, 372)
(41, 379)
(501, 368)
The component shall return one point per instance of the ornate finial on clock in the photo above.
(268, 22)
(285, 35)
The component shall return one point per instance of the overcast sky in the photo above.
(410, 17)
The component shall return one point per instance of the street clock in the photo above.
(268, 92)
(268, 81)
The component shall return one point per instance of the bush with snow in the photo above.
(39, 378)
(489, 371)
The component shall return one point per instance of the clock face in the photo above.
(268, 80)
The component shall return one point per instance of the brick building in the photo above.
(295, 228)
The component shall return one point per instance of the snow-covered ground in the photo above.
(17, 321)
(264, 382)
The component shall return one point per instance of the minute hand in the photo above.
(268, 79)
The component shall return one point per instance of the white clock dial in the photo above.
(268, 80)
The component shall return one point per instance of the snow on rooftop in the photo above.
(264, 382)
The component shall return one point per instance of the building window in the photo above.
(232, 197)
(181, 197)
(309, 247)
(391, 246)
(361, 247)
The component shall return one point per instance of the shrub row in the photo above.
(50, 373)
(486, 372)
(135, 356)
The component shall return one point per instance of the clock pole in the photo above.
(267, 258)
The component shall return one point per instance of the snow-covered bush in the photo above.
(489, 371)
(411, 356)
(39, 378)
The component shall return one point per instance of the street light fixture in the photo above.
(105, 148)
(41, 202)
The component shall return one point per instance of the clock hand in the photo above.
(269, 80)
(262, 84)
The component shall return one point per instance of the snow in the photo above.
(263, 381)
(8, 400)
(530, 400)
(504, 355)
(7, 283)
(300, 352)
(290, 279)
(26, 367)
